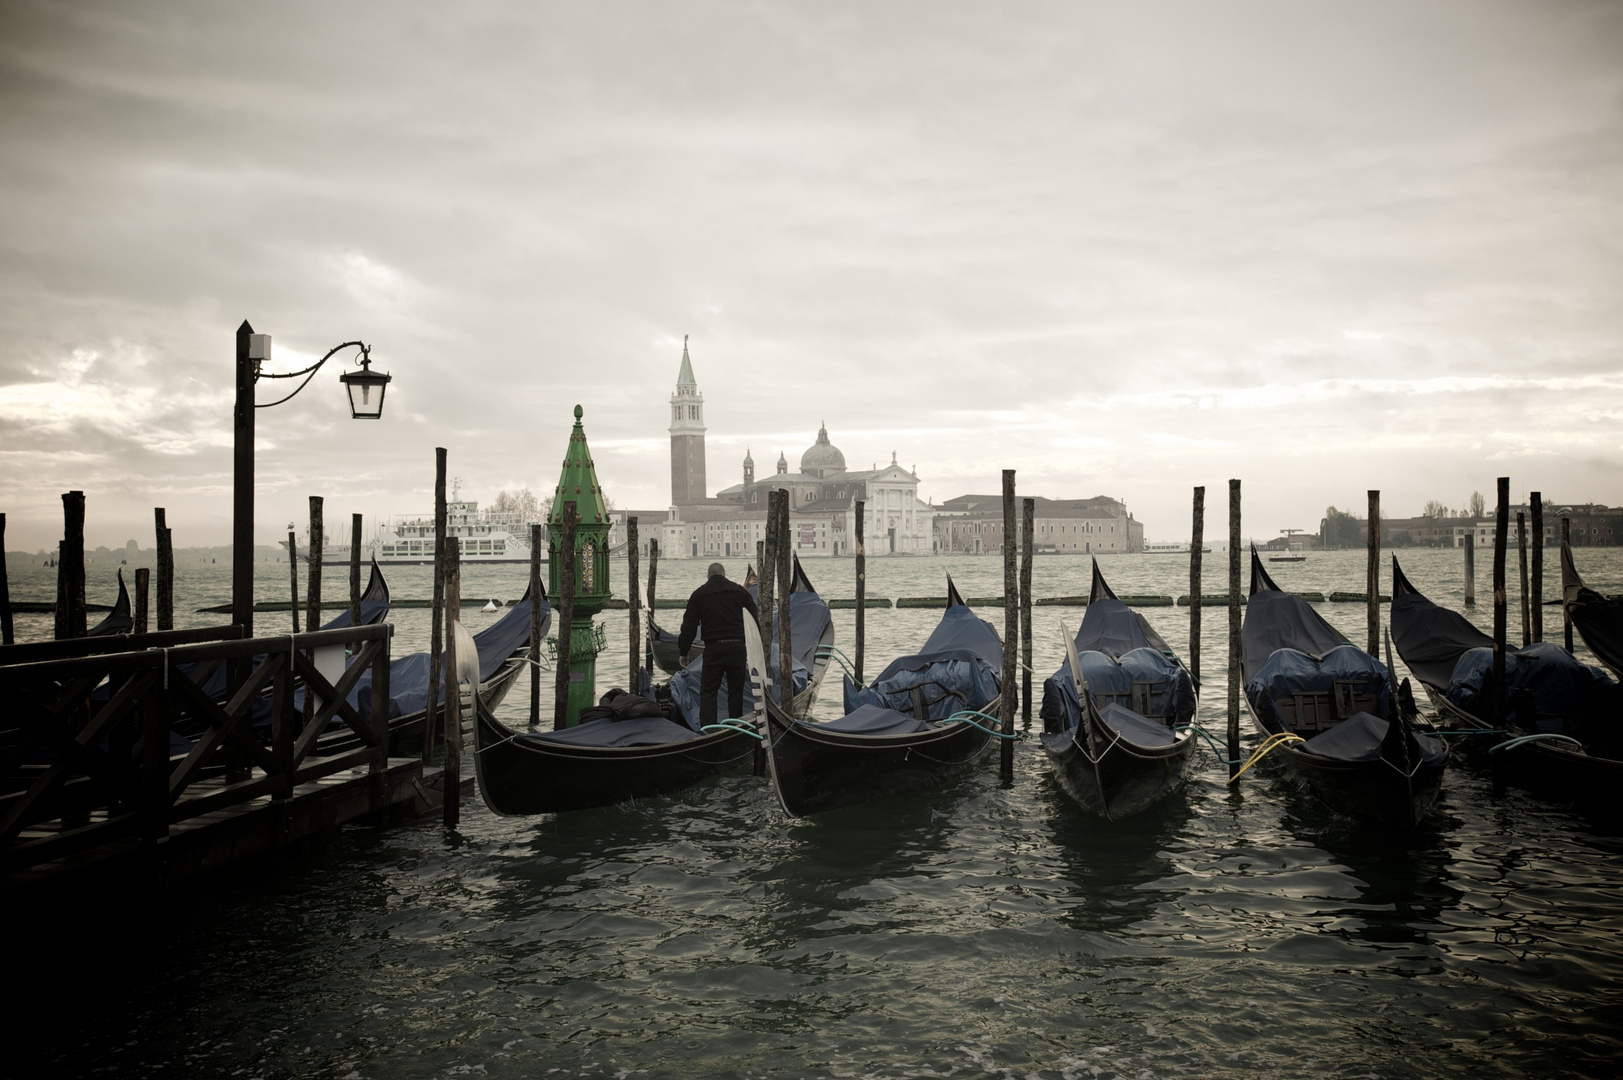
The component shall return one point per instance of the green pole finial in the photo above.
(578, 412)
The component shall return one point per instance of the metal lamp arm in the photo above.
(309, 372)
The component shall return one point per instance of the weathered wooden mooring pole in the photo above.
(143, 587)
(1501, 535)
(1234, 629)
(1011, 627)
(766, 596)
(862, 596)
(1372, 576)
(1196, 542)
(634, 604)
(70, 568)
(535, 624)
(453, 684)
(436, 640)
(293, 577)
(355, 570)
(786, 578)
(8, 632)
(1470, 567)
(1537, 501)
(164, 593)
(1566, 616)
(1521, 551)
(653, 579)
(1028, 552)
(318, 541)
(566, 614)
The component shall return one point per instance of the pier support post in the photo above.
(1470, 567)
(566, 613)
(653, 578)
(436, 641)
(70, 568)
(293, 577)
(453, 684)
(1372, 577)
(1566, 616)
(1028, 551)
(862, 595)
(355, 570)
(767, 593)
(143, 586)
(1501, 533)
(1521, 550)
(535, 624)
(634, 603)
(165, 592)
(1234, 629)
(1537, 507)
(1196, 542)
(242, 500)
(1011, 627)
(786, 584)
(8, 632)
(318, 541)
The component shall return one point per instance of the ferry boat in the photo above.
(487, 536)
(1164, 547)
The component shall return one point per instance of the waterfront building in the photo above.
(973, 525)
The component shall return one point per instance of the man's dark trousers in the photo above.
(722, 658)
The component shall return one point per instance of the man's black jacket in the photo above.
(718, 605)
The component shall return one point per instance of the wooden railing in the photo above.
(86, 756)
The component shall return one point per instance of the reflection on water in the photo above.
(985, 929)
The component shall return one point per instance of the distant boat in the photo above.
(490, 605)
(1287, 558)
(1170, 548)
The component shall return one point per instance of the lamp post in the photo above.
(365, 388)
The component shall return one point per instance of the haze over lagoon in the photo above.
(1123, 251)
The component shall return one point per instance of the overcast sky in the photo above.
(1123, 249)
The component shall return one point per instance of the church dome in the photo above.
(823, 457)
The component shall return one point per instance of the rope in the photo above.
(1511, 744)
(829, 651)
(732, 724)
(964, 718)
(1467, 731)
(1217, 748)
(1272, 743)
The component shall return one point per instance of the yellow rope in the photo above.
(1272, 743)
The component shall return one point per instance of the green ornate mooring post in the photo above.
(578, 484)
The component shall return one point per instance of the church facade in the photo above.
(823, 494)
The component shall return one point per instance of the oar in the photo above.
(1084, 709)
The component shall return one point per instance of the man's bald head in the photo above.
(717, 570)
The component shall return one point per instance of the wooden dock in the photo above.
(157, 757)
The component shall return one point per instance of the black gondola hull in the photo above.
(816, 771)
(523, 776)
(1124, 781)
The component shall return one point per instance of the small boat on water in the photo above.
(119, 620)
(1562, 716)
(924, 719)
(1327, 713)
(1120, 737)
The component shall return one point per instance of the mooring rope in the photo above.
(1272, 743)
(1511, 744)
(734, 724)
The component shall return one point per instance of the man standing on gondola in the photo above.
(718, 606)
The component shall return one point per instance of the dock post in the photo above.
(862, 595)
(1011, 627)
(566, 613)
(8, 632)
(453, 684)
(1234, 629)
(165, 592)
(1566, 616)
(1521, 547)
(1501, 533)
(653, 577)
(380, 729)
(1196, 542)
(786, 584)
(143, 586)
(767, 593)
(1372, 576)
(1470, 567)
(318, 541)
(1028, 551)
(293, 577)
(535, 624)
(1537, 524)
(634, 587)
(355, 570)
(70, 568)
(436, 642)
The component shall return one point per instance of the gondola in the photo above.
(118, 620)
(923, 720)
(1325, 708)
(635, 753)
(1120, 738)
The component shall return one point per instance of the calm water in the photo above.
(987, 929)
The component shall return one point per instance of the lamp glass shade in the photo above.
(366, 389)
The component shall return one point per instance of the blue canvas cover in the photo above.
(1360, 737)
(1110, 681)
(636, 731)
(1277, 620)
(1290, 671)
(1566, 693)
(875, 720)
(685, 686)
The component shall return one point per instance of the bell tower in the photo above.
(687, 436)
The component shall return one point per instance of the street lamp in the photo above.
(365, 389)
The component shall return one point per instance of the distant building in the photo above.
(973, 525)
(1593, 525)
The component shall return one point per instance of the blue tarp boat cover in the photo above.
(1289, 672)
(1110, 681)
(958, 668)
(1566, 692)
(1277, 620)
(1429, 639)
(636, 731)
(876, 720)
(685, 685)
(1359, 738)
